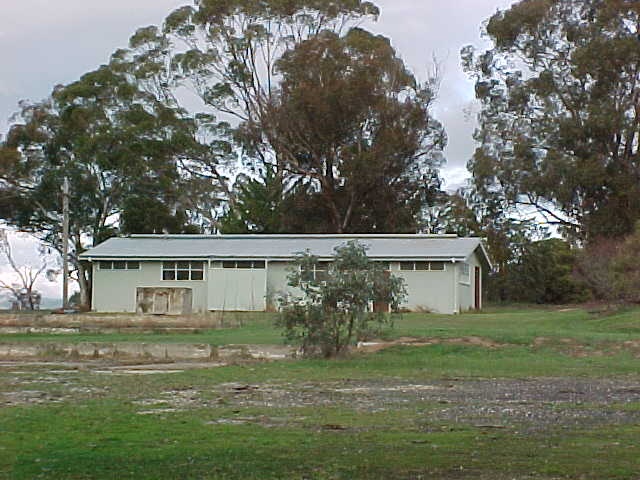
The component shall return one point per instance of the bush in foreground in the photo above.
(334, 307)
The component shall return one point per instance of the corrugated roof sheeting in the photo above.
(280, 246)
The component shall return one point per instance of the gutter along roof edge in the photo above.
(270, 257)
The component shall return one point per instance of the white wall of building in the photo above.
(115, 290)
(429, 291)
(466, 285)
(237, 290)
(258, 289)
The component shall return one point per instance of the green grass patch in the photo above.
(503, 325)
(110, 440)
(86, 424)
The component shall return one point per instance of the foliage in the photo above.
(611, 269)
(146, 214)
(351, 126)
(225, 54)
(334, 308)
(595, 268)
(112, 141)
(258, 205)
(543, 273)
(626, 268)
(560, 114)
(329, 108)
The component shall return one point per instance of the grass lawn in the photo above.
(521, 410)
(504, 325)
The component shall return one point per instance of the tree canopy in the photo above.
(328, 106)
(110, 140)
(351, 125)
(560, 117)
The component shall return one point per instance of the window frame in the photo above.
(464, 278)
(179, 270)
(428, 263)
(314, 274)
(127, 267)
(233, 264)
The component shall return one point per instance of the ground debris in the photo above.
(333, 426)
(244, 388)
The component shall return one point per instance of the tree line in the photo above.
(244, 116)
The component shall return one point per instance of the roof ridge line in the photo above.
(293, 235)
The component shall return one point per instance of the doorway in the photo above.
(478, 289)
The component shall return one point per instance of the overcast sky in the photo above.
(45, 42)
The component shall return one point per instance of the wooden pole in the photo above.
(65, 243)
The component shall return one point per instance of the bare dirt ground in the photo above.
(528, 405)
(519, 405)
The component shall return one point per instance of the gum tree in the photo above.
(218, 57)
(560, 118)
(112, 141)
(352, 126)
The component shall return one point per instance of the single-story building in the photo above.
(181, 274)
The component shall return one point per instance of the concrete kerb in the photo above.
(145, 352)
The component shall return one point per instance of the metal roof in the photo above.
(283, 247)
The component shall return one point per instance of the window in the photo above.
(319, 273)
(240, 264)
(322, 272)
(384, 265)
(119, 265)
(464, 273)
(423, 266)
(182, 271)
(408, 266)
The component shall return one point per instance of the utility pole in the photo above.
(65, 243)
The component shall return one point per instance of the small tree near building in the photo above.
(21, 291)
(335, 305)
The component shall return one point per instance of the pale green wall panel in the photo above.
(466, 292)
(429, 291)
(115, 290)
(237, 290)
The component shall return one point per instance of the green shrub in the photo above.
(334, 305)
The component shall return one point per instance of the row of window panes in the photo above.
(183, 270)
(320, 272)
(422, 266)
(119, 265)
(240, 264)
